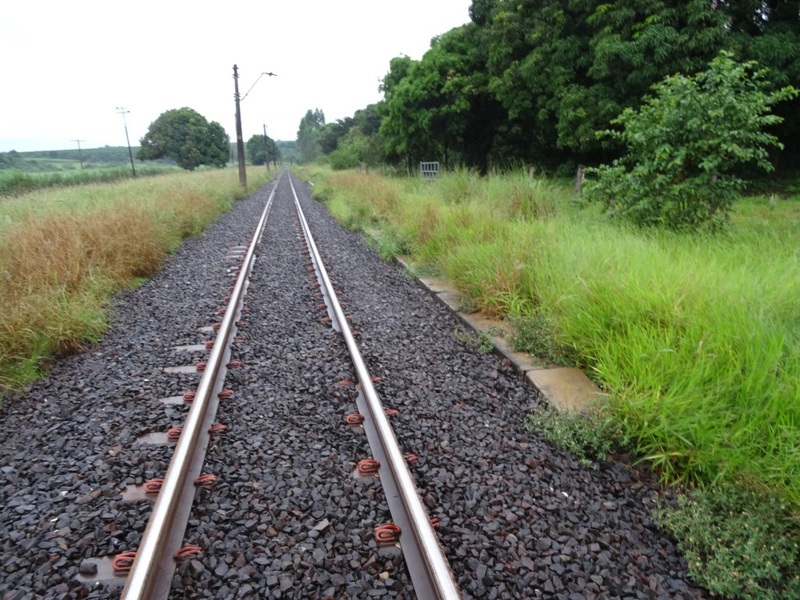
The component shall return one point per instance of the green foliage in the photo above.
(694, 338)
(480, 341)
(739, 543)
(590, 436)
(188, 138)
(686, 144)
(331, 133)
(353, 141)
(287, 150)
(258, 150)
(439, 108)
(534, 334)
(308, 136)
(353, 150)
(531, 81)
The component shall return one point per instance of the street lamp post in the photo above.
(239, 140)
(123, 111)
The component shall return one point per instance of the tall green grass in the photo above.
(696, 339)
(64, 252)
(14, 183)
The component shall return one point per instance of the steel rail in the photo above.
(148, 564)
(438, 577)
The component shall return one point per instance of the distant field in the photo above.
(60, 160)
(17, 182)
(63, 252)
(54, 164)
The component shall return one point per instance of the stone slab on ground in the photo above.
(567, 389)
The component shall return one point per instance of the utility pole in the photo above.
(266, 146)
(123, 111)
(80, 156)
(239, 140)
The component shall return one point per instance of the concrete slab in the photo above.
(436, 286)
(452, 299)
(567, 389)
(522, 361)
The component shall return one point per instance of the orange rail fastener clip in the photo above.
(123, 562)
(354, 419)
(387, 534)
(368, 466)
(188, 552)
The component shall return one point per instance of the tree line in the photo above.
(533, 81)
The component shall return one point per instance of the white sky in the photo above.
(65, 66)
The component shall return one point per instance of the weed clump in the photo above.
(591, 435)
(739, 543)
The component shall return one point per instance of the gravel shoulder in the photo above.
(519, 519)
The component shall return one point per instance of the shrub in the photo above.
(686, 144)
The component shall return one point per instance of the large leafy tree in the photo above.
(354, 141)
(259, 151)
(185, 136)
(562, 69)
(398, 127)
(331, 133)
(440, 107)
(768, 31)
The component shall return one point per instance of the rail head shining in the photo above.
(440, 574)
(149, 555)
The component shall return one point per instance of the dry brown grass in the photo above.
(62, 259)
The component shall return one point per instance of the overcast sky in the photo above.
(66, 66)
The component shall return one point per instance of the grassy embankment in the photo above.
(696, 338)
(64, 252)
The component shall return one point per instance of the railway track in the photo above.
(152, 565)
(290, 501)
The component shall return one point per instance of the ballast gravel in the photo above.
(518, 518)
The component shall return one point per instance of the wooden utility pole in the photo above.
(266, 146)
(239, 140)
(124, 111)
(80, 156)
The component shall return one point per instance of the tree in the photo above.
(353, 150)
(287, 150)
(768, 31)
(185, 136)
(562, 69)
(686, 145)
(308, 135)
(440, 107)
(331, 133)
(257, 150)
